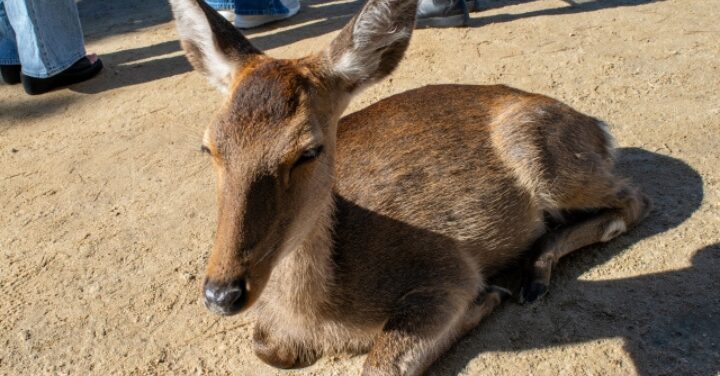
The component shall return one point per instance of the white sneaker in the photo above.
(248, 22)
(227, 14)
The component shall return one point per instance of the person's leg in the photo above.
(9, 59)
(49, 36)
(8, 45)
(225, 7)
(253, 13)
(442, 13)
(263, 7)
(50, 44)
(221, 4)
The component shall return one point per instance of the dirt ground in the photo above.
(108, 208)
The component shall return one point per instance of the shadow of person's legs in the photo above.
(18, 112)
(101, 19)
(135, 66)
(571, 7)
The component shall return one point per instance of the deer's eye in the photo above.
(204, 149)
(309, 155)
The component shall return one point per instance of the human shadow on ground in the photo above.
(137, 65)
(16, 113)
(101, 19)
(668, 321)
(570, 7)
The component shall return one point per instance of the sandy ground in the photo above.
(108, 207)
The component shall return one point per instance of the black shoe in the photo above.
(82, 70)
(10, 74)
(442, 13)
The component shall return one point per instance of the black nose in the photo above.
(225, 298)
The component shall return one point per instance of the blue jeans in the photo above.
(43, 36)
(250, 7)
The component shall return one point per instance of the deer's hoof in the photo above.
(533, 291)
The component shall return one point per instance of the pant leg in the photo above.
(49, 36)
(221, 4)
(8, 45)
(264, 7)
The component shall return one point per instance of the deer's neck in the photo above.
(305, 274)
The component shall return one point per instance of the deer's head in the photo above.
(272, 143)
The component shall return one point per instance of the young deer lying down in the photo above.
(376, 232)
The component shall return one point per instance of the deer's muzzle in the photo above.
(226, 299)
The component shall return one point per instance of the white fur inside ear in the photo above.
(348, 65)
(193, 26)
(374, 30)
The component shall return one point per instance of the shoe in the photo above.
(82, 70)
(10, 74)
(251, 21)
(442, 13)
(227, 14)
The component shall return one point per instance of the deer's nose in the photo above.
(225, 298)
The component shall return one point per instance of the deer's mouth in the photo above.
(236, 296)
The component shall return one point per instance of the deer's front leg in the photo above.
(280, 352)
(423, 327)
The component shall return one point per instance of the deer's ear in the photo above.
(373, 43)
(212, 44)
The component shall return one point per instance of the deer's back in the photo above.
(424, 159)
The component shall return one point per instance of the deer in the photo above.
(377, 232)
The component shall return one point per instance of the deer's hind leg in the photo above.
(615, 211)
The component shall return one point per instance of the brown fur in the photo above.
(383, 242)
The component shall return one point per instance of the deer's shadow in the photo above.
(668, 321)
